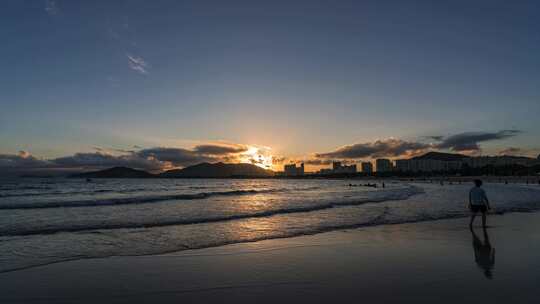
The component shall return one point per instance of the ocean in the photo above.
(45, 221)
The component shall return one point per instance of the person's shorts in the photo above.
(478, 208)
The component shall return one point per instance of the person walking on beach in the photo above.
(478, 202)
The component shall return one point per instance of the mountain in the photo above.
(116, 172)
(218, 170)
(441, 156)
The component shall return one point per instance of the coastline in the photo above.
(420, 262)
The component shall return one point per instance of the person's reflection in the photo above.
(484, 254)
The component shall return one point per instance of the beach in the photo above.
(269, 152)
(412, 262)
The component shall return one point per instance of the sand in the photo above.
(429, 262)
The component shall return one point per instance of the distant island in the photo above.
(202, 170)
(116, 172)
(218, 170)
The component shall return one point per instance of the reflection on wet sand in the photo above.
(484, 254)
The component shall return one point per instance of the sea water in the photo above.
(52, 220)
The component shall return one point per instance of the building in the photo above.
(403, 165)
(293, 170)
(367, 167)
(326, 171)
(337, 167)
(498, 161)
(300, 170)
(384, 165)
(440, 162)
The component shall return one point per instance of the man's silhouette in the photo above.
(478, 202)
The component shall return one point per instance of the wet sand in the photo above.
(430, 262)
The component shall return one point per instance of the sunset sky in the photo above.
(148, 83)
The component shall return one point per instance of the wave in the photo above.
(25, 188)
(397, 195)
(377, 221)
(132, 200)
(90, 192)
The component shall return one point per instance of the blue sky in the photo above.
(300, 77)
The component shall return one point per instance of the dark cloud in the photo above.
(469, 141)
(112, 150)
(99, 160)
(151, 159)
(214, 149)
(380, 148)
(434, 137)
(180, 157)
(176, 156)
(22, 159)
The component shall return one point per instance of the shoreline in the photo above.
(305, 268)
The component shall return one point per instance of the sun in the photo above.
(259, 156)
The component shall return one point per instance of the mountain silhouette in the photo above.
(218, 170)
(116, 172)
(202, 170)
(442, 156)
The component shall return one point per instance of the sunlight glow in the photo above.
(259, 156)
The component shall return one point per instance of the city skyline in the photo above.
(385, 156)
(100, 83)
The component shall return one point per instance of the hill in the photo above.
(116, 172)
(222, 170)
(441, 156)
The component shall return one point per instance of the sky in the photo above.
(148, 83)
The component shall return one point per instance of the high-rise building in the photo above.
(290, 170)
(384, 165)
(337, 167)
(403, 165)
(293, 170)
(367, 167)
(442, 163)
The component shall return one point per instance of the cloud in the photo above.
(23, 159)
(469, 141)
(463, 142)
(221, 149)
(150, 159)
(434, 137)
(113, 151)
(181, 157)
(177, 157)
(381, 148)
(512, 151)
(278, 160)
(50, 7)
(137, 64)
(97, 160)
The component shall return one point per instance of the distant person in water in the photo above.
(478, 202)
